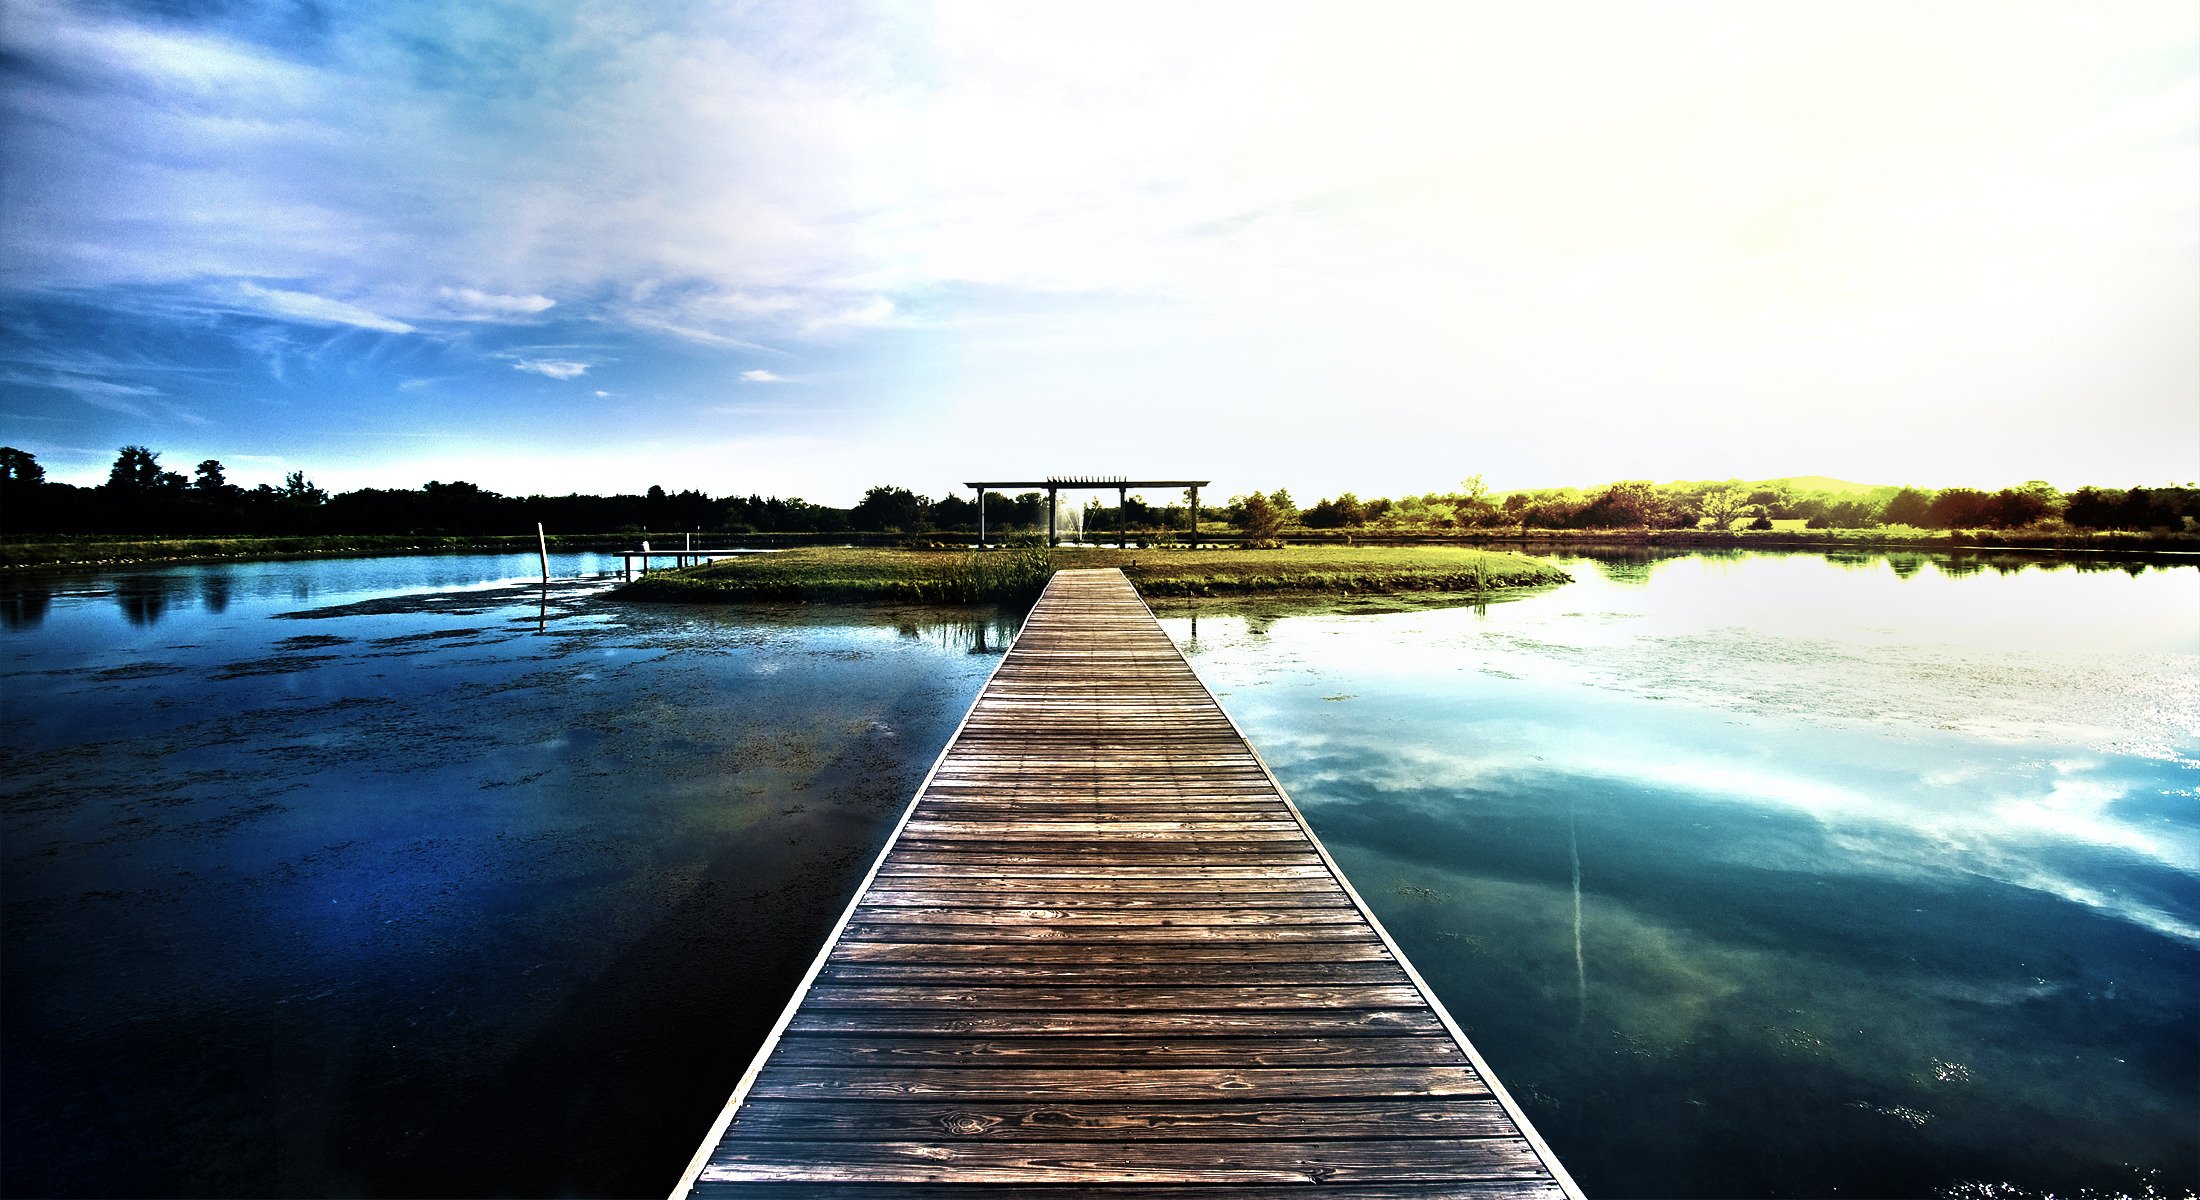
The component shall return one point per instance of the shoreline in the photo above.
(98, 552)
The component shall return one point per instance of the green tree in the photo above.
(1258, 520)
(1721, 505)
(892, 510)
(1630, 502)
(136, 469)
(1345, 510)
(211, 477)
(1907, 507)
(1473, 502)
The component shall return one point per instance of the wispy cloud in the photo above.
(305, 306)
(762, 376)
(99, 393)
(555, 368)
(468, 304)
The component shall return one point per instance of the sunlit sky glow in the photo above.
(803, 248)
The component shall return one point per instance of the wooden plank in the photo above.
(895, 997)
(1144, 972)
(1487, 1189)
(964, 1163)
(894, 950)
(1121, 1053)
(1116, 918)
(1247, 1023)
(1098, 934)
(1103, 955)
(1178, 1083)
(1097, 902)
(1023, 1121)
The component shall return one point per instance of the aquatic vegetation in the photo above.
(1019, 572)
(1016, 573)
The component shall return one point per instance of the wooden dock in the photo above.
(1103, 955)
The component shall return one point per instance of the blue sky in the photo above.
(801, 248)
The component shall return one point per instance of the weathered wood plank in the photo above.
(1305, 1162)
(1144, 972)
(1489, 1189)
(1023, 1121)
(1098, 902)
(1097, 934)
(894, 950)
(1103, 956)
(899, 996)
(1120, 1053)
(1178, 1083)
(1120, 918)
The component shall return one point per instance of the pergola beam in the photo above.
(1055, 485)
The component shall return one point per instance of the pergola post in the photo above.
(1054, 485)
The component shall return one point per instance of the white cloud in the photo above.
(99, 393)
(1496, 224)
(762, 376)
(304, 306)
(468, 304)
(555, 368)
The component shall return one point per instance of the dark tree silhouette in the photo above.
(20, 468)
(136, 469)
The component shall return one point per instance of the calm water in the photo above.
(1752, 875)
(1769, 875)
(391, 877)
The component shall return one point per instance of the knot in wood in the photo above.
(968, 1124)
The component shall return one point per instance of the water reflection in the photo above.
(214, 587)
(972, 636)
(344, 896)
(24, 606)
(1775, 873)
(143, 601)
(1625, 570)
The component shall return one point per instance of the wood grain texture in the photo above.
(1103, 956)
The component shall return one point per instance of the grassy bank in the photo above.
(1007, 575)
(856, 573)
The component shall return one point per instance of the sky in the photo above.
(804, 248)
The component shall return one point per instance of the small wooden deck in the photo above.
(1103, 955)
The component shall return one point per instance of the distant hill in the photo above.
(1823, 483)
(1805, 483)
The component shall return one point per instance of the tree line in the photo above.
(1730, 504)
(142, 496)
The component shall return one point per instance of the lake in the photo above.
(1752, 874)
(1781, 874)
(399, 877)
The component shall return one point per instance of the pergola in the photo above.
(1060, 483)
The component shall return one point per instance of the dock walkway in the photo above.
(1103, 955)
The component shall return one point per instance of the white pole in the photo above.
(542, 544)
